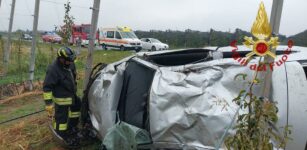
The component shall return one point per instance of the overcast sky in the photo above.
(222, 15)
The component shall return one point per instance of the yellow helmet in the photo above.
(66, 53)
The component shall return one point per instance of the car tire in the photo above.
(153, 48)
(104, 47)
(122, 48)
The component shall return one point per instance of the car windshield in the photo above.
(155, 41)
(52, 33)
(128, 35)
(86, 29)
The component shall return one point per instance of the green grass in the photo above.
(20, 77)
(20, 107)
(45, 54)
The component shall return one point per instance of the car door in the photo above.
(118, 39)
(110, 40)
(297, 104)
(146, 43)
(45, 37)
(280, 94)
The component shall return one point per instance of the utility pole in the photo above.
(9, 38)
(275, 24)
(276, 15)
(89, 61)
(34, 33)
(209, 38)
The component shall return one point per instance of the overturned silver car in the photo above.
(183, 98)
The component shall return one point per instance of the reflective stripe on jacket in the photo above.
(60, 84)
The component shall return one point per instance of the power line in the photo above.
(19, 14)
(20, 117)
(59, 3)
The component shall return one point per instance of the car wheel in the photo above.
(104, 47)
(122, 48)
(153, 48)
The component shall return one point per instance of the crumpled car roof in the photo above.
(186, 106)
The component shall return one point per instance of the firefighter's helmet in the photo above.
(66, 53)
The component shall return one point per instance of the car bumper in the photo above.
(86, 42)
(56, 41)
(130, 47)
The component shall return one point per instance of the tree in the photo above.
(66, 30)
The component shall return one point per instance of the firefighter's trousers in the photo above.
(66, 117)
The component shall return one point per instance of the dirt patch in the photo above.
(26, 134)
(9, 99)
(29, 133)
(15, 89)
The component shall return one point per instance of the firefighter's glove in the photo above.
(49, 110)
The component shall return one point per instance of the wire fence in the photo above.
(18, 68)
(15, 80)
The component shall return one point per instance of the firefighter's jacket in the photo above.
(60, 84)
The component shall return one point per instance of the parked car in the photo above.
(173, 96)
(122, 38)
(26, 36)
(153, 44)
(51, 37)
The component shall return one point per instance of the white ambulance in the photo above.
(122, 38)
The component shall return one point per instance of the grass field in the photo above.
(32, 132)
(45, 54)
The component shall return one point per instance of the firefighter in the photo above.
(60, 96)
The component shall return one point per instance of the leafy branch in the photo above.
(66, 30)
(255, 129)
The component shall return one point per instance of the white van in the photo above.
(122, 38)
